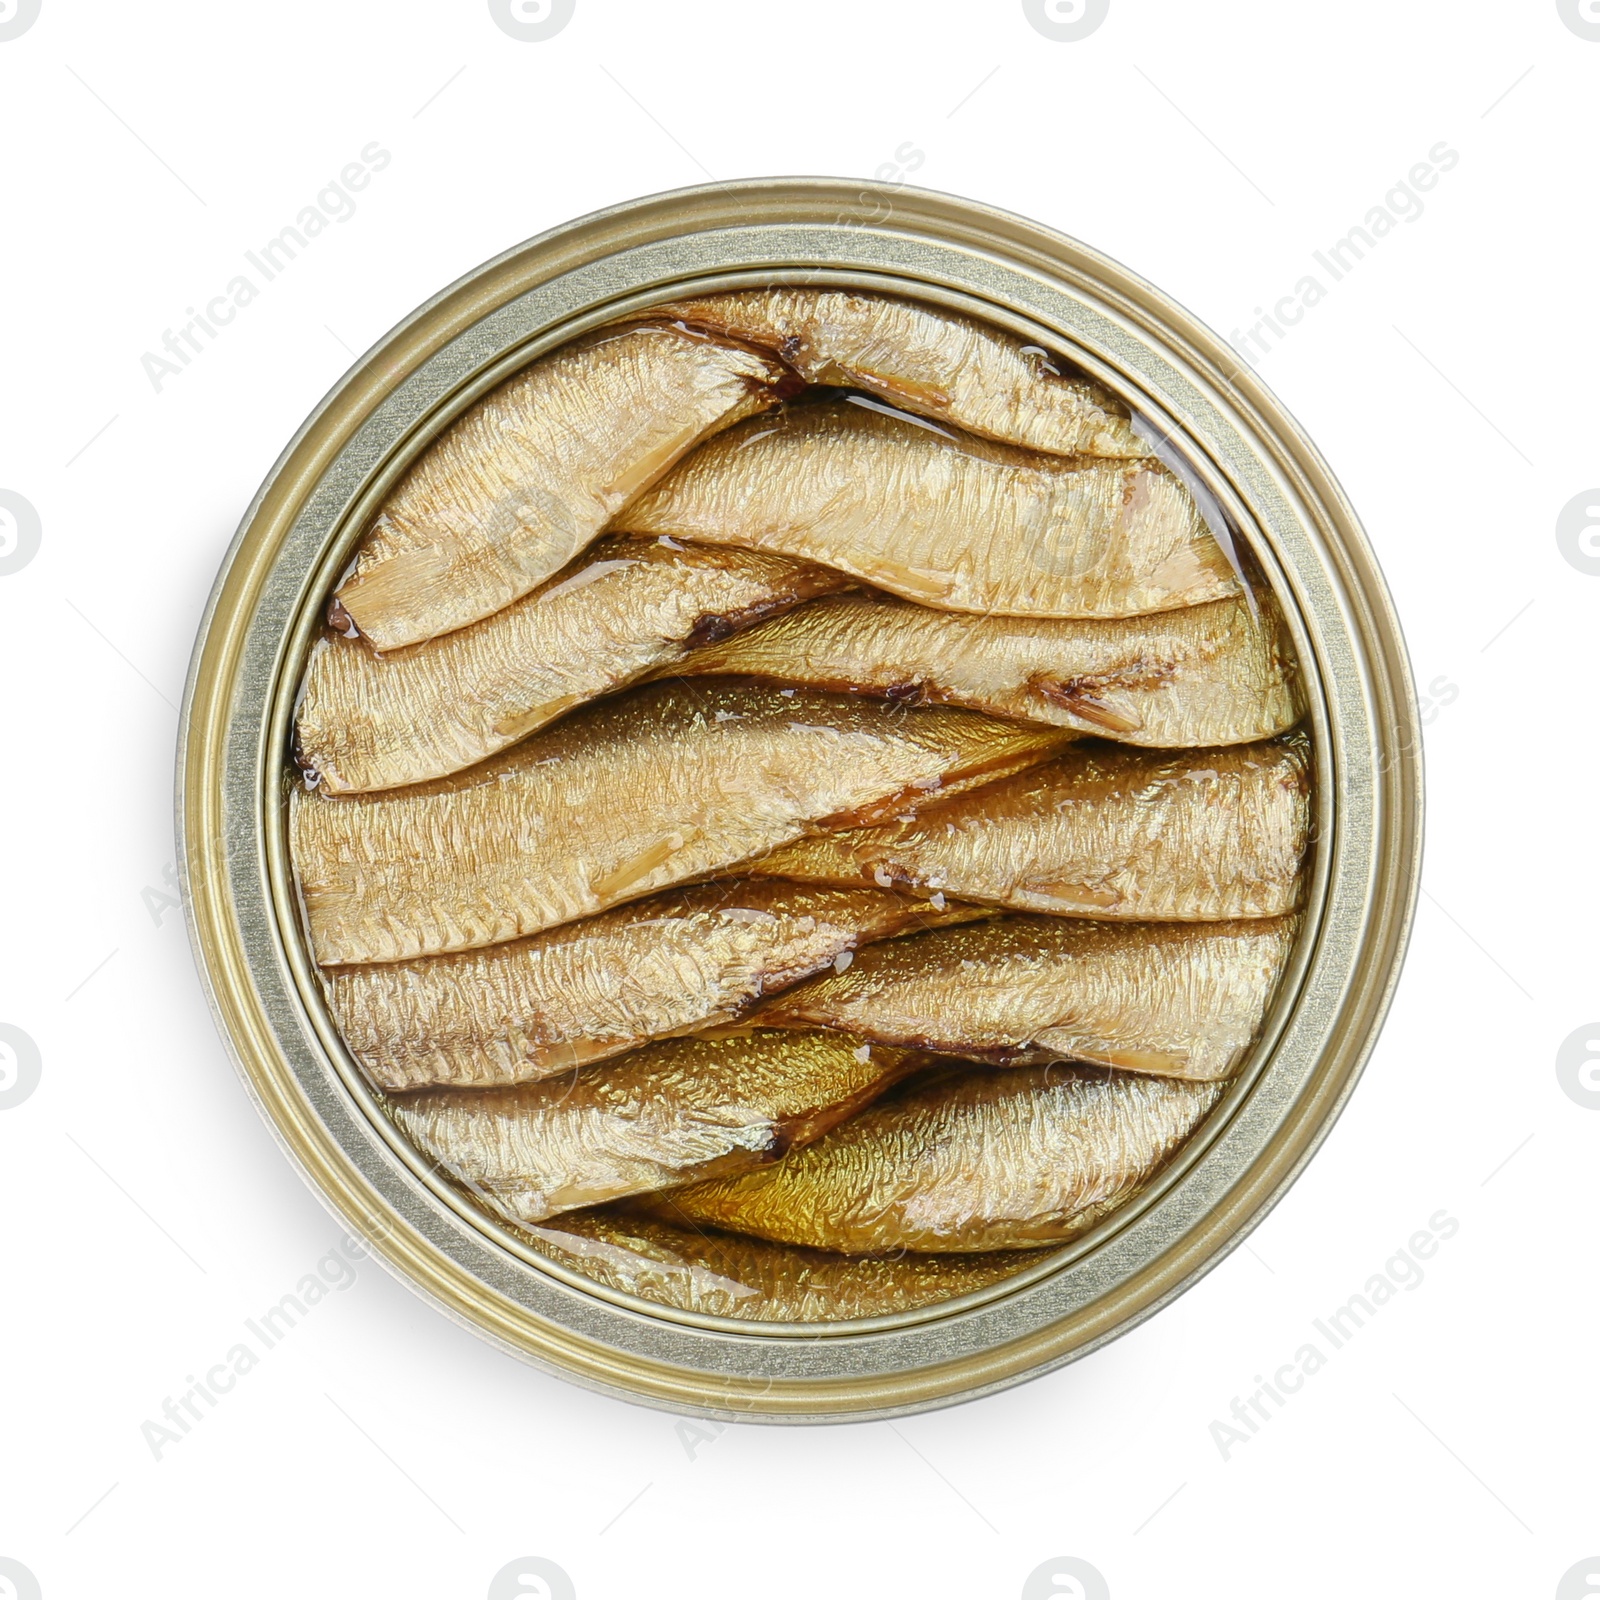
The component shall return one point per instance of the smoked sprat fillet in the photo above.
(726, 1275)
(1098, 832)
(516, 487)
(1208, 674)
(658, 786)
(973, 1161)
(947, 520)
(926, 359)
(800, 809)
(1182, 1000)
(378, 721)
(673, 1111)
(685, 959)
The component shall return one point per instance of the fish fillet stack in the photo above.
(799, 814)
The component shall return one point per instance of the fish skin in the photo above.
(973, 1161)
(519, 484)
(954, 522)
(666, 1114)
(1210, 674)
(674, 962)
(1175, 999)
(927, 359)
(658, 786)
(1101, 831)
(727, 1275)
(369, 720)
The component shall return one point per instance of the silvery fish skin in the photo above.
(516, 487)
(726, 1275)
(658, 786)
(927, 359)
(973, 1161)
(1219, 673)
(377, 721)
(948, 520)
(668, 964)
(1180, 1000)
(671, 1112)
(1196, 836)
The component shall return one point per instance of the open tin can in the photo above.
(1212, 422)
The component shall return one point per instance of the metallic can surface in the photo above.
(1235, 439)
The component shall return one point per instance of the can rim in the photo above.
(308, 512)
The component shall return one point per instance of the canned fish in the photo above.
(800, 800)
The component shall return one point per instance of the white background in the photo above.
(379, 1450)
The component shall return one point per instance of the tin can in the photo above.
(1240, 447)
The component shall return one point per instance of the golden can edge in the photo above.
(298, 534)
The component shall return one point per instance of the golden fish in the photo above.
(1183, 1000)
(671, 1112)
(371, 721)
(725, 1275)
(659, 786)
(1200, 836)
(682, 960)
(1209, 674)
(926, 359)
(516, 487)
(969, 1161)
(950, 521)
